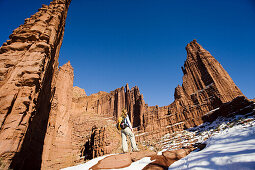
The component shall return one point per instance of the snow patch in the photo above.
(232, 148)
(88, 164)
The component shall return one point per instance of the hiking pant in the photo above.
(127, 132)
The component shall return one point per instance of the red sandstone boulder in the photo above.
(135, 156)
(122, 160)
(181, 153)
(170, 155)
(114, 161)
(162, 162)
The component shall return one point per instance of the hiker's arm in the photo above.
(129, 123)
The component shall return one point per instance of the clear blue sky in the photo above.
(142, 42)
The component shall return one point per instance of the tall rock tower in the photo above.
(28, 62)
(206, 85)
(202, 70)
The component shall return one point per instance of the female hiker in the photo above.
(126, 130)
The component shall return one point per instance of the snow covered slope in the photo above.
(230, 149)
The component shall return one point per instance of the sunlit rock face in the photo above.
(111, 104)
(28, 62)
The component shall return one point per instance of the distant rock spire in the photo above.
(127, 87)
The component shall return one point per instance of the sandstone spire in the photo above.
(28, 62)
(202, 70)
(206, 85)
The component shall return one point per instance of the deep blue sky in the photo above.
(142, 42)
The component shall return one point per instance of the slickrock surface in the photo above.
(28, 62)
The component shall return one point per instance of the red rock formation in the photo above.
(206, 86)
(121, 160)
(111, 104)
(93, 135)
(101, 110)
(239, 105)
(159, 161)
(28, 62)
(78, 93)
(57, 149)
(162, 162)
(45, 122)
(102, 141)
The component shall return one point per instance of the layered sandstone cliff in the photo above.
(28, 62)
(94, 118)
(111, 104)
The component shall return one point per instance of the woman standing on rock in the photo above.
(126, 130)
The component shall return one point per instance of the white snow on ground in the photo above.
(87, 165)
(140, 164)
(230, 149)
(200, 133)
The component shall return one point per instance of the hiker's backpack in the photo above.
(121, 124)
